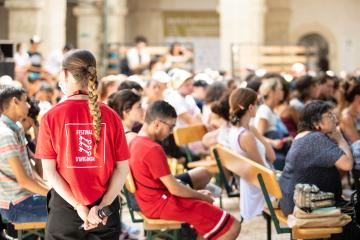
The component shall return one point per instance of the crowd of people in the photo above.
(84, 128)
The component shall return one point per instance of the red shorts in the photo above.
(208, 220)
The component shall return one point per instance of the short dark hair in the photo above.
(141, 39)
(34, 109)
(7, 93)
(214, 92)
(200, 83)
(159, 110)
(127, 84)
(311, 114)
(302, 85)
(123, 100)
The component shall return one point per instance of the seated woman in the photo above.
(288, 114)
(221, 123)
(269, 124)
(350, 104)
(317, 154)
(246, 141)
(127, 104)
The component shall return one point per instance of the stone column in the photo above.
(25, 19)
(89, 16)
(53, 26)
(277, 22)
(116, 21)
(241, 22)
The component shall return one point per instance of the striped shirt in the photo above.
(12, 144)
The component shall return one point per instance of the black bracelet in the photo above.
(241, 219)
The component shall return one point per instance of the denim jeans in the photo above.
(32, 209)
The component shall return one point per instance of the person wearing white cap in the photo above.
(155, 88)
(6, 80)
(185, 107)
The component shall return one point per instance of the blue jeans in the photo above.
(32, 209)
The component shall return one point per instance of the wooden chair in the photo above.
(228, 188)
(265, 179)
(190, 134)
(29, 229)
(153, 227)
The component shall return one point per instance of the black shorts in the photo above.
(64, 222)
(185, 179)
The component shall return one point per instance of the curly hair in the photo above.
(311, 114)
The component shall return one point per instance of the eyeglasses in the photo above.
(331, 116)
(171, 126)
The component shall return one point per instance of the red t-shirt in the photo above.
(147, 167)
(66, 135)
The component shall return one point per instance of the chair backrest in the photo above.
(248, 170)
(130, 184)
(192, 133)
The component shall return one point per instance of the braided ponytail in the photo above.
(82, 65)
(94, 106)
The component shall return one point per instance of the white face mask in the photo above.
(63, 88)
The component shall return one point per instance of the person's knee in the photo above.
(204, 174)
(200, 177)
(234, 230)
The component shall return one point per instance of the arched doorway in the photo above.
(319, 42)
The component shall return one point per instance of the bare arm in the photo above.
(57, 182)
(262, 128)
(345, 162)
(347, 125)
(116, 183)
(23, 179)
(180, 190)
(210, 138)
(186, 117)
(247, 143)
(270, 153)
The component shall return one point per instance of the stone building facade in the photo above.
(260, 22)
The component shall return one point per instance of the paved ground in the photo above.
(254, 229)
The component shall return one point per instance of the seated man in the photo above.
(159, 194)
(22, 199)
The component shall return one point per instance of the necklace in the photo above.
(77, 93)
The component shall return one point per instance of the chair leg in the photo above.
(177, 234)
(148, 235)
(268, 226)
(221, 202)
(20, 233)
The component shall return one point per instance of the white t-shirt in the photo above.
(223, 137)
(53, 62)
(297, 104)
(133, 57)
(21, 59)
(182, 105)
(264, 112)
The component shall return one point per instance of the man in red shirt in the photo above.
(159, 194)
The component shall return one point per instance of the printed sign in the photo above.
(82, 141)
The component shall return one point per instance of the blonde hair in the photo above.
(267, 86)
(82, 65)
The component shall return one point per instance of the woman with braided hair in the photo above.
(83, 147)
